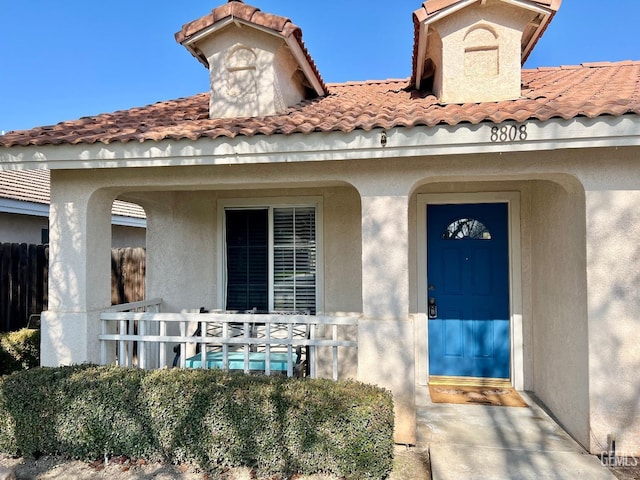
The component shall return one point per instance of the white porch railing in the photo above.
(137, 334)
(125, 327)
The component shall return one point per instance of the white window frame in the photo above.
(269, 204)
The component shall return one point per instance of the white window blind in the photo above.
(294, 258)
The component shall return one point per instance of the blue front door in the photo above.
(468, 290)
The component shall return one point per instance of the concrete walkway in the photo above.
(479, 442)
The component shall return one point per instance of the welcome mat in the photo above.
(472, 395)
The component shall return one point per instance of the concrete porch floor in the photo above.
(483, 442)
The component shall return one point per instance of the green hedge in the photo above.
(19, 350)
(210, 418)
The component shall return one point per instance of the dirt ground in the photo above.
(46, 468)
(408, 464)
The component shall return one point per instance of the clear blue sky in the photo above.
(64, 59)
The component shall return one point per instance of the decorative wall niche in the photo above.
(481, 52)
(241, 71)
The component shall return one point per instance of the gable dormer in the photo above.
(470, 51)
(257, 62)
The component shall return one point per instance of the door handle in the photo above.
(432, 308)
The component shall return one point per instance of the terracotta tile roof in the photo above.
(239, 10)
(431, 7)
(34, 186)
(588, 90)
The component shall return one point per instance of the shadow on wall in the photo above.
(64, 252)
(613, 266)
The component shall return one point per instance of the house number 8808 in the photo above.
(508, 133)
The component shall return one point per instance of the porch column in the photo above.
(385, 334)
(613, 274)
(79, 272)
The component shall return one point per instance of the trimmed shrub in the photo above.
(102, 415)
(19, 350)
(81, 412)
(210, 418)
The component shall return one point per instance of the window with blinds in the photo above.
(271, 256)
(247, 259)
(294, 258)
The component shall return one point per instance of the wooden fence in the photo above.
(23, 283)
(128, 269)
(24, 271)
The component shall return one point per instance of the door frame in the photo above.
(512, 199)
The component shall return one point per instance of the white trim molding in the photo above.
(20, 207)
(423, 141)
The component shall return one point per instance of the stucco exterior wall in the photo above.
(386, 341)
(613, 266)
(481, 53)
(123, 236)
(181, 247)
(559, 297)
(79, 270)
(187, 223)
(342, 250)
(22, 228)
(252, 73)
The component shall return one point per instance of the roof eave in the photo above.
(191, 42)
(463, 138)
(307, 69)
(545, 19)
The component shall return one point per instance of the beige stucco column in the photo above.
(385, 334)
(79, 272)
(613, 276)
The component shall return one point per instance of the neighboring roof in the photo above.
(237, 11)
(33, 186)
(25, 185)
(589, 90)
